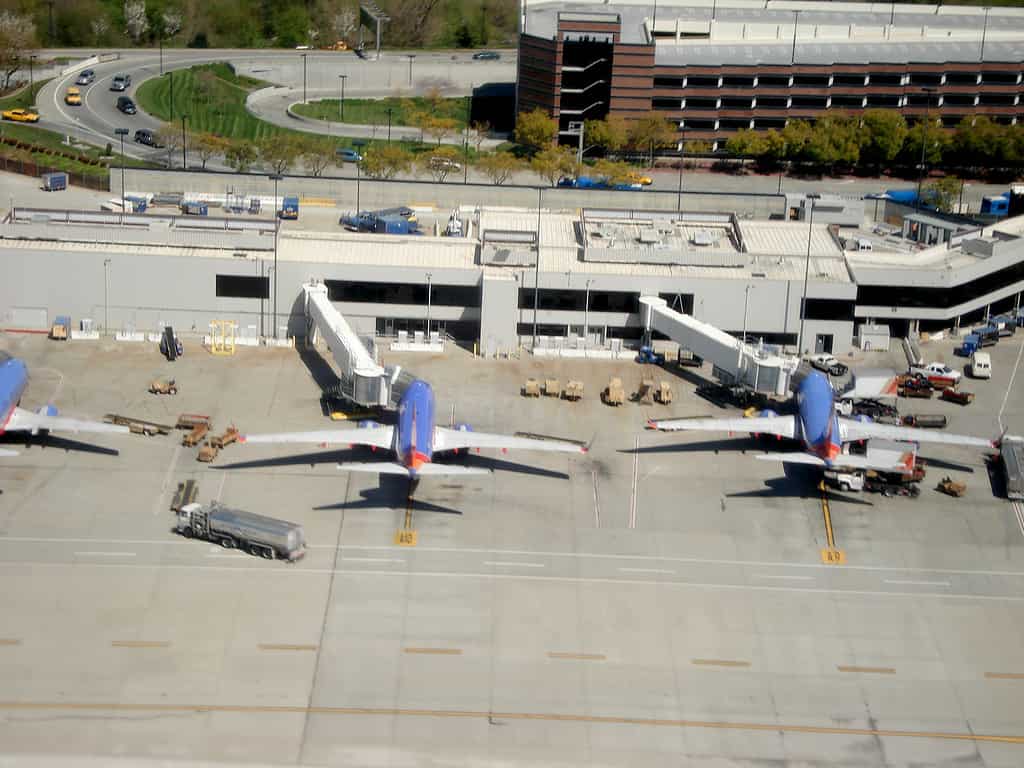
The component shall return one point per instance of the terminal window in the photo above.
(243, 287)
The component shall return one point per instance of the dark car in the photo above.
(147, 137)
(120, 82)
(85, 77)
(126, 105)
(486, 56)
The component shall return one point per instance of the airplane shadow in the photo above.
(53, 441)
(730, 445)
(797, 483)
(942, 464)
(298, 460)
(387, 496)
(502, 465)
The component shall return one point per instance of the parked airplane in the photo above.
(13, 381)
(822, 431)
(415, 440)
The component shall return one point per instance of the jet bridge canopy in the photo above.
(735, 361)
(363, 381)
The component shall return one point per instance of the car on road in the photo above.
(120, 82)
(827, 363)
(638, 178)
(938, 374)
(486, 56)
(73, 97)
(349, 156)
(147, 137)
(85, 77)
(21, 115)
(126, 105)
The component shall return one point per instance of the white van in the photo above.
(981, 365)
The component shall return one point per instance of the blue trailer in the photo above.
(135, 204)
(995, 205)
(290, 207)
(394, 225)
(55, 182)
(970, 345)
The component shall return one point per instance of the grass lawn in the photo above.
(22, 98)
(375, 111)
(212, 96)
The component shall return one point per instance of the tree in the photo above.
(835, 140)
(240, 155)
(885, 130)
(651, 132)
(935, 143)
(385, 161)
(135, 20)
(170, 136)
(440, 162)
(553, 163)
(614, 172)
(17, 36)
(536, 129)
(498, 166)
(99, 27)
(317, 154)
(795, 138)
(207, 146)
(747, 143)
(944, 193)
(479, 133)
(611, 134)
(979, 143)
(438, 128)
(170, 21)
(278, 152)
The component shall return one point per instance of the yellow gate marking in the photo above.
(830, 555)
(987, 738)
(406, 535)
(720, 663)
(868, 670)
(285, 647)
(9, 641)
(141, 643)
(435, 651)
(1004, 675)
(577, 656)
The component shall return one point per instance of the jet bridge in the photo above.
(363, 381)
(735, 362)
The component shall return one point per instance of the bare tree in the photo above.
(480, 131)
(410, 23)
(135, 21)
(17, 36)
(172, 22)
(344, 22)
(99, 26)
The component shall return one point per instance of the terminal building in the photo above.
(495, 288)
(716, 66)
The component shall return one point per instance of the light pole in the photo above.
(161, 39)
(429, 276)
(536, 274)
(276, 177)
(412, 57)
(984, 30)
(679, 191)
(170, 86)
(31, 79)
(586, 315)
(304, 55)
(576, 129)
(807, 272)
(106, 294)
(389, 124)
(184, 157)
(925, 128)
(796, 23)
(121, 133)
(341, 104)
(358, 144)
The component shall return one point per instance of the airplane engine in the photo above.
(768, 412)
(367, 424)
(863, 418)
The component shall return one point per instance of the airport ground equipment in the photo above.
(531, 388)
(61, 328)
(648, 356)
(195, 208)
(924, 420)
(363, 381)
(290, 207)
(163, 386)
(573, 390)
(170, 345)
(221, 442)
(261, 536)
(951, 487)
(614, 394)
(552, 388)
(196, 435)
(663, 394)
(185, 494)
(55, 182)
(735, 362)
(961, 398)
(1011, 451)
(190, 420)
(914, 386)
(686, 359)
(138, 426)
(877, 482)
(207, 452)
(645, 393)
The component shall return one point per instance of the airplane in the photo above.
(822, 431)
(415, 440)
(13, 418)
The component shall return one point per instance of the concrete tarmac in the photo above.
(661, 600)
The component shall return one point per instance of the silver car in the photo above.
(120, 82)
(86, 77)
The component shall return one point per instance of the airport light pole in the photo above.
(682, 154)
(536, 274)
(984, 30)
(412, 57)
(184, 156)
(170, 86)
(807, 272)
(586, 315)
(429, 276)
(358, 144)
(796, 23)
(925, 129)
(389, 124)
(341, 104)
(106, 294)
(304, 56)
(31, 80)
(121, 133)
(276, 177)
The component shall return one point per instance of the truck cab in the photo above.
(981, 365)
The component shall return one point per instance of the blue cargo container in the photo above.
(54, 182)
(134, 204)
(290, 207)
(195, 208)
(394, 225)
(995, 205)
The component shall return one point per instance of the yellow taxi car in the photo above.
(20, 115)
(638, 178)
(73, 97)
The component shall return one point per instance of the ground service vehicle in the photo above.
(828, 364)
(573, 390)
(126, 105)
(1011, 450)
(85, 77)
(649, 356)
(981, 365)
(989, 335)
(938, 374)
(960, 398)
(552, 388)
(290, 207)
(951, 487)
(73, 97)
(256, 534)
(21, 115)
(845, 481)
(970, 344)
(163, 387)
(924, 421)
(686, 359)
(614, 394)
(55, 181)
(531, 388)
(61, 328)
(914, 386)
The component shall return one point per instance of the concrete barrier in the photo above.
(80, 65)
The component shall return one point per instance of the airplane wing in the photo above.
(862, 430)
(394, 468)
(893, 463)
(376, 437)
(446, 439)
(782, 426)
(26, 421)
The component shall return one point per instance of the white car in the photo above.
(938, 373)
(827, 364)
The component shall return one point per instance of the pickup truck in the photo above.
(938, 374)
